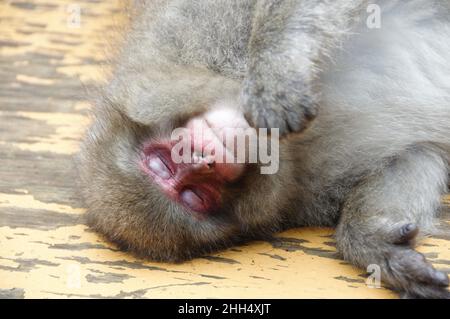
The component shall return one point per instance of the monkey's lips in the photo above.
(198, 183)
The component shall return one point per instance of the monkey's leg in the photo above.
(289, 39)
(383, 215)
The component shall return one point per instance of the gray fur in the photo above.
(374, 162)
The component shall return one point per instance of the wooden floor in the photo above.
(46, 66)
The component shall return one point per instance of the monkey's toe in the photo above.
(426, 292)
(417, 267)
(410, 272)
(405, 234)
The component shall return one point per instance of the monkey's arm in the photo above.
(167, 92)
(288, 42)
(382, 216)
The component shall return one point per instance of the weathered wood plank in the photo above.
(45, 248)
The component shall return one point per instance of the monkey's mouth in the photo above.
(197, 181)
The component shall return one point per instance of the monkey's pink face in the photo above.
(207, 161)
(144, 198)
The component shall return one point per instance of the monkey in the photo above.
(362, 113)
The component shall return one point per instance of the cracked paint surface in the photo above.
(46, 251)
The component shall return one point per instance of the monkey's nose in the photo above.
(208, 165)
(192, 200)
(213, 136)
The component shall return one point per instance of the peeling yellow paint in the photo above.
(20, 190)
(446, 200)
(72, 261)
(81, 43)
(253, 274)
(82, 105)
(33, 80)
(28, 201)
(68, 128)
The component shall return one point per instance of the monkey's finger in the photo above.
(420, 270)
(403, 234)
(425, 291)
(434, 277)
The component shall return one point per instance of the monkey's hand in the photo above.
(403, 268)
(409, 271)
(279, 97)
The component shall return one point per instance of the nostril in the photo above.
(192, 200)
(157, 166)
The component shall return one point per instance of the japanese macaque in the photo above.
(362, 109)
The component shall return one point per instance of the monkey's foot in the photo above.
(407, 270)
(403, 268)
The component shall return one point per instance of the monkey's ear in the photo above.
(153, 97)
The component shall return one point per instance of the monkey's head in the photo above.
(150, 203)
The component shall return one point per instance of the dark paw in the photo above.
(287, 106)
(408, 271)
(401, 267)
